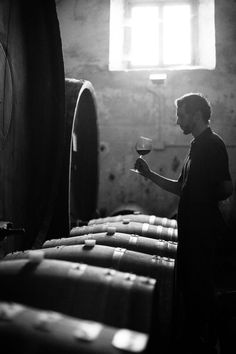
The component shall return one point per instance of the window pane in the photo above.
(177, 34)
(144, 35)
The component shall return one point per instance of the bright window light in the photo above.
(162, 34)
(144, 35)
(176, 35)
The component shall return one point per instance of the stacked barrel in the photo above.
(110, 281)
(146, 245)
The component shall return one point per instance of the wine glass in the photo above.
(143, 146)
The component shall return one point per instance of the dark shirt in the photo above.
(206, 165)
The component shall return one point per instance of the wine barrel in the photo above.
(32, 119)
(130, 227)
(159, 268)
(105, 256)
(117, 239)
(84, 291)
(137, 217)
(27, 330)
(81, 114)
(128, 208)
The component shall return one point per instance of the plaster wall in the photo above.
(129, 104)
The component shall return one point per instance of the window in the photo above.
(161, 34)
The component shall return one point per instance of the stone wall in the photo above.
(129, 104)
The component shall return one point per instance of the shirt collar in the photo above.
(201, 137)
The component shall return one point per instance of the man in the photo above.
(204, 181)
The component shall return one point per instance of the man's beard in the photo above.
(188, 128)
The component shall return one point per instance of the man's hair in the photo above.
(195, 102)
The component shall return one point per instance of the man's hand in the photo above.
(170, 185)
(142, 166)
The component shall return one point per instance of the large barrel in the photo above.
(84, 291)
(130, 227)
(32, 119)
(81, 115)
(27, 330)
(117, 239)
(159, 268)
(137, 217)
(128, 208)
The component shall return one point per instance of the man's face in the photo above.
(185, 120)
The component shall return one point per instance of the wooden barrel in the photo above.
(81, 115)
(117, 239)
(128, 208)
(159, 268)
(105, 256)
(27, 330)
(88, 292)
(32, 119)
(130, 227)
(137, 217)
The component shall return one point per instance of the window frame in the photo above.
(203, 37)
(128, 4)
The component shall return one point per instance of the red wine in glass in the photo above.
(142, 152)
(143, 147)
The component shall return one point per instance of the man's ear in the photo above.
(197, 116)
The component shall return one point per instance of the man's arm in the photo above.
(169, 185)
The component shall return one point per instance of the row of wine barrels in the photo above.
(159, 268)
(130, 227)
(136, 243)
(137, 217)
(32, 119)
(27, 330)
(80, 290)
